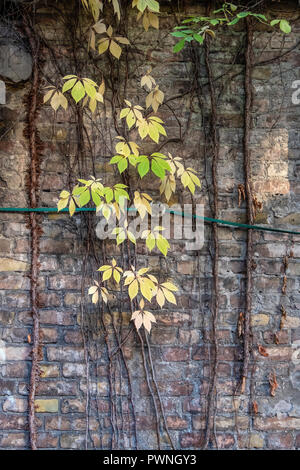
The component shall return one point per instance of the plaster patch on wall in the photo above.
(2, 351)
(2, 93)
(15, 63)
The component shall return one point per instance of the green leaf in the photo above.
(198, 38)
(285, 26)
(163, 164)
(122, 165)
(179, 46)
(78, 91)
(233, 21)
(153, 133)
(162, 244)
(90, 90)
(150, 242)
(178, 34)
(274, 22)
(157, 169)
(243, 14)
(115, 159)
(132, 160)
(84, 197)
(78, 190)
(96, 198)
(143, 167)
(109, 195)
(153, 5)
(69, 84)
(262, 17)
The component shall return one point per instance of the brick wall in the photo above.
(180, 340)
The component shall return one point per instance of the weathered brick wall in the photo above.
(180, 340)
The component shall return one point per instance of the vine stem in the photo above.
(158, 392)
(34, 144)
(215, 268)
(249, 197)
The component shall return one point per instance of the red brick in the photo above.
(56, 387)
(275, 354)
(73, 336)
(49, 335)
(175, 422)
(191, 440)
(56, 317)
(73, 405)
(49, 300)
(176, 354)
(47, 441)
(58, 247)
(13, 422)
(266, 424)
(186, 267)
(64, 281)
(280, 440)
(145, 422)
(281, 335)
(65, 353)
(18, 370)
(225, 441)
(13, 440)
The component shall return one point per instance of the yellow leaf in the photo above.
(170, 286)
(133, 289)
(153, 133)
(130, 119)
(160, 298)
(131, 237)
(142, 271)
(147, 323)
(93, 105)
(103, 46)
(153, 20)
(95, 297)
(55, 101)
(169, 296)
(115, 49)
(99, 27)
(122, 40)
(101, 89)
(92, 289)
(150, 316)
(48, 95)
(62, 203)
(146, 288)
(104, 294)
(117, 276)
(72, 207)
(107, 274)
(138, 321)
(104, 267)
(143, 128)
(146, 21)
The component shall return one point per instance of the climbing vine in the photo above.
(135, 126)
(33, 105)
